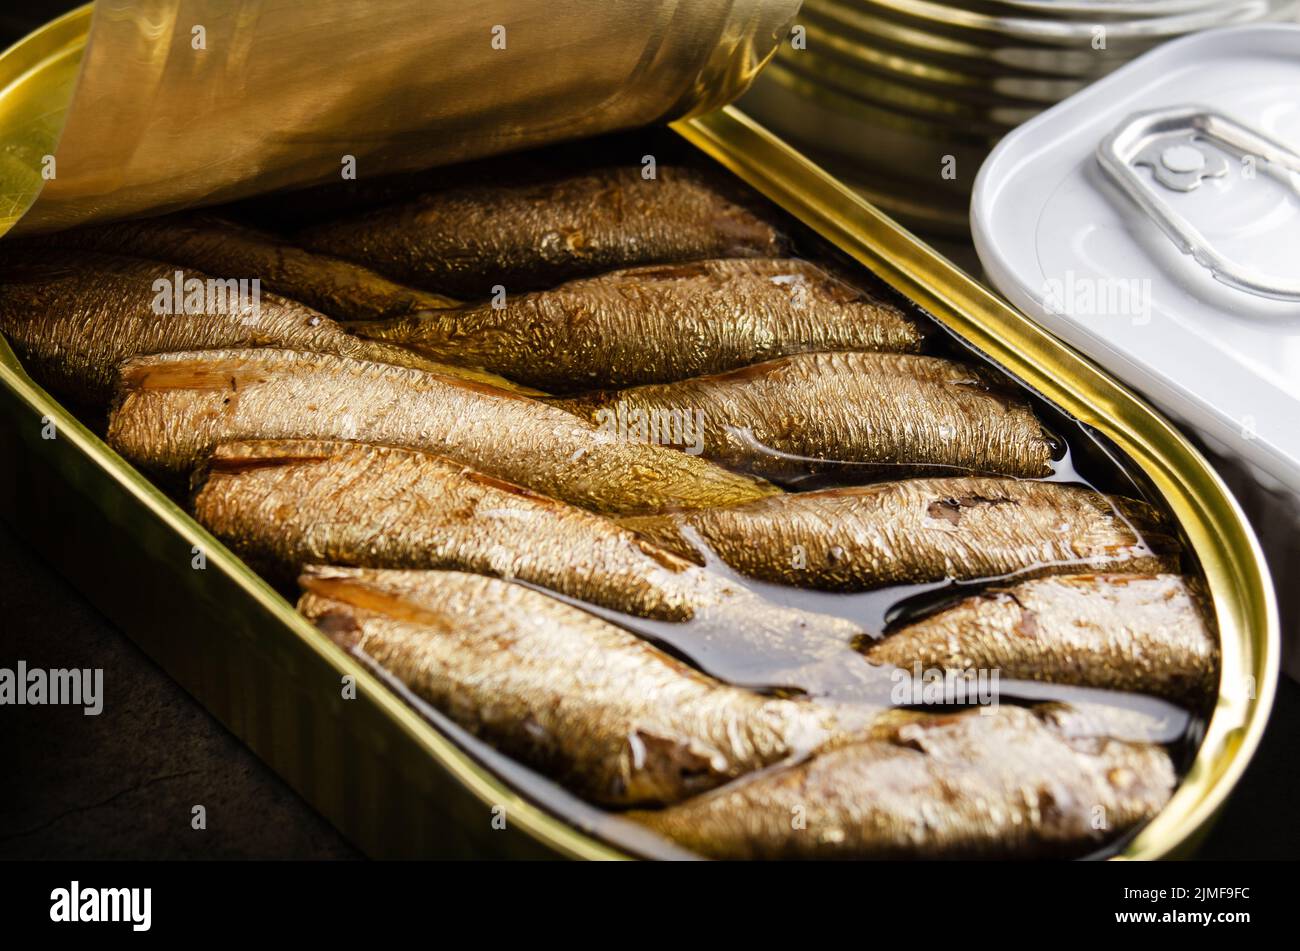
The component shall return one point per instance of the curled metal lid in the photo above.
(192, 102)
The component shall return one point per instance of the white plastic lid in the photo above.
(1067, 245)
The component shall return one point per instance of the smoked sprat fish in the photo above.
(1014, 784)
(1145, 633)
(283, 505)
(73, 316)
(599, 709)
(920, 530)
(855, 415)
(465, 239)
(658, 324)
(171, 410)
(335, 287)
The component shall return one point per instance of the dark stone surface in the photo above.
(122, 784)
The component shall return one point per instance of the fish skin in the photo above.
(1014, 784)
(297, 209)
(335, 287)
(607, 714)
(658, 324)
(885, 414)
(73, 316)
(289, 503)
(1142, 633)
(172, 409)
(465, 239)
(921, 530)
(283, 505)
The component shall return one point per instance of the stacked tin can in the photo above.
(903, 99)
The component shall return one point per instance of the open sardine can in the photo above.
(102, 123)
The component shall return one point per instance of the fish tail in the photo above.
(666, 531)
(390, 329)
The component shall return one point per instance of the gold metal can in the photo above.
(398, 785)
(195, 101)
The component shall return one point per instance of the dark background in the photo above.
(123, 784)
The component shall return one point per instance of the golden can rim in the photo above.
(1215, 527)
(54, 46)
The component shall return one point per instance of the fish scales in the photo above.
(465, 239)
(172, 409)
(1013, 784)
(1144, 633)
(283, 505)
(73, 316)
(856, 415)
(921, 530)
(607, 714)
(340, 289)
(292, 503)
(658, 324)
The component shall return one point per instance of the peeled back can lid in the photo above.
(1153, 221)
